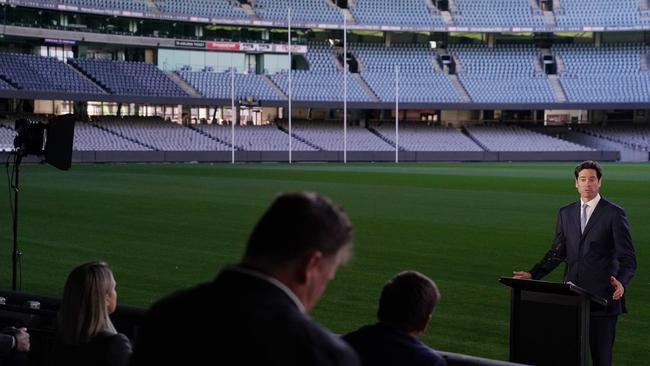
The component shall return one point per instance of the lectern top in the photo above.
(560, 288)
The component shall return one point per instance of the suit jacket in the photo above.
(6, 344)
(604, 249)
(381, 345)
(237, 318)
(102, 350)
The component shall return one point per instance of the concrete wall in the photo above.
(333, 156)
(324, 156)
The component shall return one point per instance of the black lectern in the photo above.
(549, 322)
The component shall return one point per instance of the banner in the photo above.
(225, 46)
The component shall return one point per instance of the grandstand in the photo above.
(427, 81)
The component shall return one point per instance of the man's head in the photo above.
(407, 302)
(301, 240)
(588, 174)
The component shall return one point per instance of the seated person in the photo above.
(405, 308)
(14, 345)
(85, 334)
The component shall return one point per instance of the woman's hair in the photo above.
(83, 313)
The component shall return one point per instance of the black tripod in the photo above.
(16, 253)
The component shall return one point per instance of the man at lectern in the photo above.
(593, 237)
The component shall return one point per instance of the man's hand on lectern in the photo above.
(521, 275)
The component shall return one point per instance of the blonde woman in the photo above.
(86, 335)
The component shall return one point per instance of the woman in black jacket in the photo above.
(86, 335)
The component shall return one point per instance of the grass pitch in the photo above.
(164, 227)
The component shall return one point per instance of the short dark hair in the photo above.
(407, 301)
(589, 164)
(296, 224)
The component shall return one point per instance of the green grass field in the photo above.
(164, 227)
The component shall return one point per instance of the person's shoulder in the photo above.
(120, 339)
(362, 333)
(570, 206)
(329, 343)
(181, 298)
(429, 356)
(611, 206)
(112, 340)
(118, 350)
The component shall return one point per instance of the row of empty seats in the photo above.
(577, 13)
(412, 13)
(505, 73)
(611, 73)
(129, 78)
(421, 137)
(514, 138)
(323, 81)
(415, 71)
(152, 133)
(225, 9)
(36, 73)
(502, 13)
(219, 85)
(634, 135)
(255, 138)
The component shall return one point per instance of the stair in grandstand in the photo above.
(384, 138)
(471, 137)
(559, 62)
(644, 5)
(153, 7)
(366, 87)
(435, 60)
(557, 8)
(558, 90)
(440, 52)
(276, 88)
(537, 62)
(432, 8)
(9, 81)
(337, 56)
(645, 62)
(309, 143)
(446, 17)
(201, 132)
(88, 76)
(249, 11)
(460, 89)
(549, 19)
(183, 84)
(124, 137)
(534, 5)
(349, 18)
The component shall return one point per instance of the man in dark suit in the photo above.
(255, 313)
(593, 237)
(405, 307)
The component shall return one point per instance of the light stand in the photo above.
(54, 141)
(16, 253)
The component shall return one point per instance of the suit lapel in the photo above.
(575, 217)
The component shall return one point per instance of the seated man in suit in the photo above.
(255, 313)
(405, 308)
